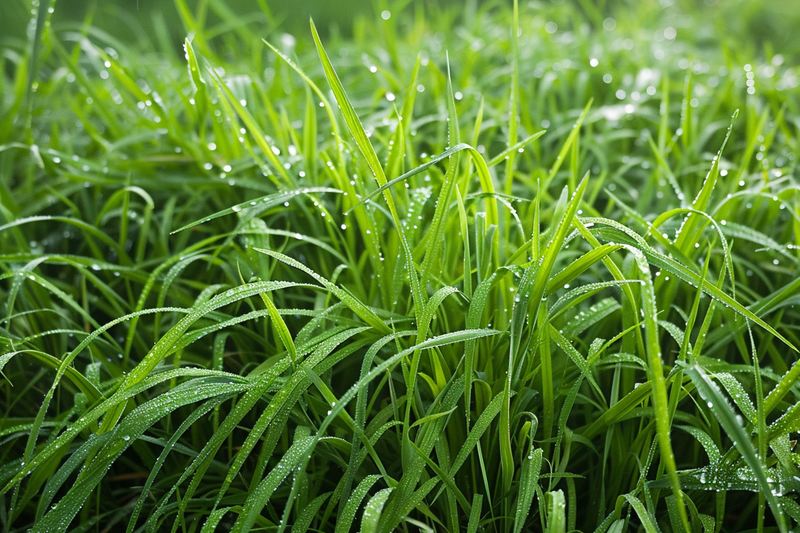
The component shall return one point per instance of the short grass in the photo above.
(483, 267)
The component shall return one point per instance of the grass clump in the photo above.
(496, 268)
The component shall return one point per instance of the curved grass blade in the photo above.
(258, 205)
(79, 380)
(134, 425)
(693, 278)
(307, 515)
(372, 511)
(257, 499)
(361, 310)
(348, 513)
(648, 521)
(727, 418)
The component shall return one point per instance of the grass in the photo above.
(486, 268)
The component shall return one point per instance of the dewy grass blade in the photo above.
(655, 372)
(448, 153)
(514, 149)
(345, 519)
(367, 150)
(251, 126)
(261, 495)
(693, 278)
(307, 515)
(690, 229)
(361, 310)
(326, 105)
(475, 515)
(437, 225)
(529, 482)
(372, 511)
(283, 331)
(310, 137)
(367, 377)
(258, 204)
(215, 517)
(138, 421)
(786, 424)
(462, 217)
(42, 12)
(727, 418)
(648, 522)
(352, 120)
(556, 512)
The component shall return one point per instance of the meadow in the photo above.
(413, 266)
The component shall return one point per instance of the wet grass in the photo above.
(487, 268)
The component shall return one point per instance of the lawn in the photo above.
(415, 266)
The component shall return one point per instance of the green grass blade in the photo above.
(727, 419)
(529, 482)
(372, 511)
(556, 512)
(260, 496)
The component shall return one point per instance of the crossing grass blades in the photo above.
(487, 268)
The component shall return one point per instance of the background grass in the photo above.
(444, 268)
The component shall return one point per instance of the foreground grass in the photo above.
(479, 269)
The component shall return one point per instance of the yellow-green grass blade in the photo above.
(361, 310)
(556, 512)
(690, 276)
(254, 130)
(367, 150)
(690, 229)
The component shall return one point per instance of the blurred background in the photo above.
(775, 23)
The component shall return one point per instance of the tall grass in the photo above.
(485, 268)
